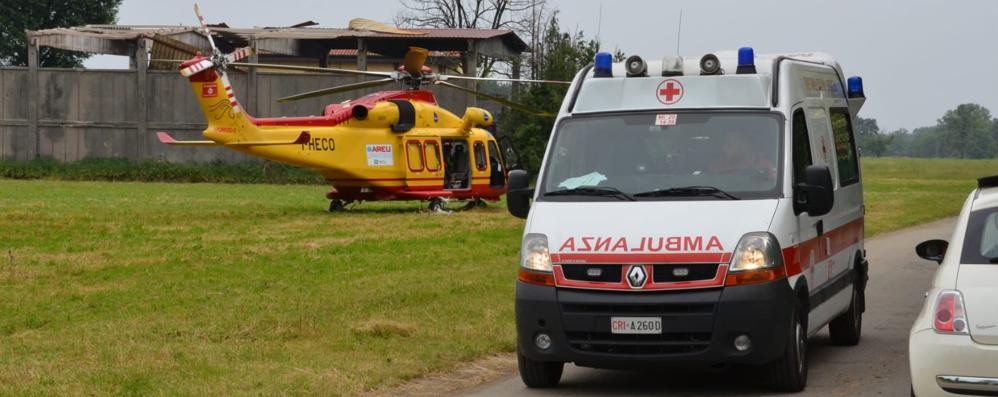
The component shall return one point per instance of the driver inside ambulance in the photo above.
(739, 155)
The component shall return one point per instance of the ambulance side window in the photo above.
(845, 148)
(802, 146)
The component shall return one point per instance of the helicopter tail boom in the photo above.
(227, 120)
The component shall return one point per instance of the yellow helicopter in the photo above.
(389, 145)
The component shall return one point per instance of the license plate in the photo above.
(636, 325)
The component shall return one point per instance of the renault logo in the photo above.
(636, 276)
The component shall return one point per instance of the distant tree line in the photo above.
(969, 131)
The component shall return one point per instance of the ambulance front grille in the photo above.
(666, 343)
(663, 273)
(687, 327)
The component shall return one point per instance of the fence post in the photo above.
(141, 84)
(33, 97)
(253, 81)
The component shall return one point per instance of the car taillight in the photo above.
(948, 315)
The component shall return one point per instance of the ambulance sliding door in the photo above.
(812, 229)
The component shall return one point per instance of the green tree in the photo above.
(968, 131)
(16, 16)
(869, 137)
(899, 143)
(927, 142)
(560, 56)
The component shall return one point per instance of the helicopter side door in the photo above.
(497, 167)
(480, 164)
(424, 165)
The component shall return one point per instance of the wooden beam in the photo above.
(361, 54)
(470, 68)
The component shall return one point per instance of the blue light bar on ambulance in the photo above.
(746, 61)
(603, 65)
(856, 87)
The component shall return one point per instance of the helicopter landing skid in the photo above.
(337, 205)
(437, 205)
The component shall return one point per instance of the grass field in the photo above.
(150, 288)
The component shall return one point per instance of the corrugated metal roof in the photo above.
(281, 39)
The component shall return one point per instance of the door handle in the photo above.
(819, 226)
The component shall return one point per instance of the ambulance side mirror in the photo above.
(816, 195)
(933, 250)
(519, 194)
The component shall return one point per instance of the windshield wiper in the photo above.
(689, 191)
(593, 191)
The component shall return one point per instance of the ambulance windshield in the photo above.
(666, 156)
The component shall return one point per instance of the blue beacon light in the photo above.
(603, 65)
(856, 87)
(746, 60)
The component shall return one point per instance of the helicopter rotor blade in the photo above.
(414, 60)
(238, 54)
(500, 79)
(204, 28)
(314, 69)
(514, 105)
(337, 89)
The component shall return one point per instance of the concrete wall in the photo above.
(96, 113)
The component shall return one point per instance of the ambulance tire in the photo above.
(539, 374)
(789, 372)
(846, 329)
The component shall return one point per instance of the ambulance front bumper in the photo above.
(698, 326)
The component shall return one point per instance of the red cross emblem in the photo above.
(670, 91)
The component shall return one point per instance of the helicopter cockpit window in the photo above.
(674, 156)
(414, 151)
(480, 156)
(432, 152)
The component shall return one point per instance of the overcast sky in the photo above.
(918, 58)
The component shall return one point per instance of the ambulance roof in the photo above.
(691, 90)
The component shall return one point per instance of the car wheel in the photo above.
(789, 372)
(846, 329)
(539, 374)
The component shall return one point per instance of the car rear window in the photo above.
(980, 244)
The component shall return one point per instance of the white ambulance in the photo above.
(703, 210)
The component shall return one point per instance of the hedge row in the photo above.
(116, 169)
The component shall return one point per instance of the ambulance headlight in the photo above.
(534, 254)
(756, 251)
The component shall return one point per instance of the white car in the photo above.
(953, 346)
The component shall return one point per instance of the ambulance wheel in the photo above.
(539, 374)
(336, 205)
(789, 372)
(845, 330)
(436, 205)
